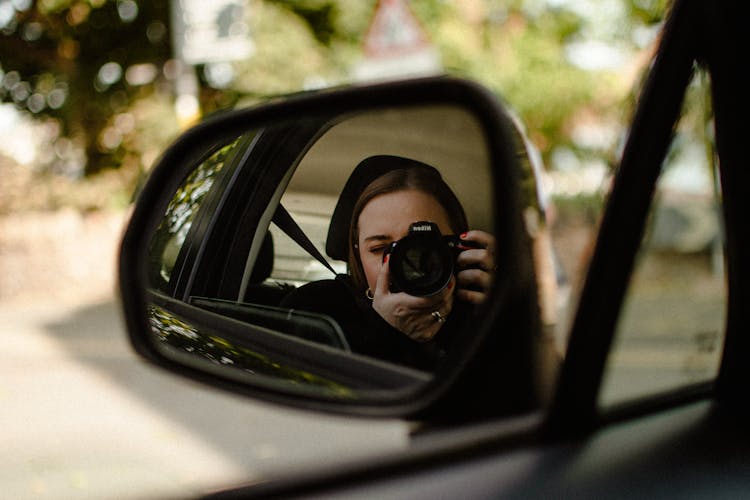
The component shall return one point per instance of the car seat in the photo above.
(260, 290)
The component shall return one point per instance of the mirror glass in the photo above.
(257, 272)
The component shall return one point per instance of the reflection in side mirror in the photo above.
(266, 261)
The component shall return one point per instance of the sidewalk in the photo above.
(62, 255)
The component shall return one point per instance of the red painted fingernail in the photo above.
(450, 285)
(463, 235)
(385, 261)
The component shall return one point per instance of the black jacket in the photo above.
(367, 332)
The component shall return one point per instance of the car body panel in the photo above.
(692, 451)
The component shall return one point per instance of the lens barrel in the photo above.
(421, 263)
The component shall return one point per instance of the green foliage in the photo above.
(180, 214)
(287, 54)
(647, 12)
(53, 57)
(320, 16)
(57, 52)
(522, 59)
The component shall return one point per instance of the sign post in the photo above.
(205, 33)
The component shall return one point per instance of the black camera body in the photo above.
(423, 262)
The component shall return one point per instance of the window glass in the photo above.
(292, 264)
(670, 330)
(180, 214)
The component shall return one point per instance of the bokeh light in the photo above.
(141, 74)
(127, 10)
(109, 74)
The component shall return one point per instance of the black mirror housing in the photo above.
(488, 372)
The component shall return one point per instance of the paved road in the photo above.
(83, 417)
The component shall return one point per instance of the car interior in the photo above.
(277, 263)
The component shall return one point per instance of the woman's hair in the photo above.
(417, 176)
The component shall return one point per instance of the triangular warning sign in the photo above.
(393, 31)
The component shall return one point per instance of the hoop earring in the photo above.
(369, 294)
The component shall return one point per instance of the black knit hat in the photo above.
(369, 169)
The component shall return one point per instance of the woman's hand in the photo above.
(420, 318)
(476, 267)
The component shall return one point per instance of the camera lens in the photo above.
(421, 264)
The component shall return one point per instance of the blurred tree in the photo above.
(320, 15)
(300, 45)
(83, 62)
(96, 64)
(521, 50)
(518, 48)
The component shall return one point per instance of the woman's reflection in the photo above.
(409, 289)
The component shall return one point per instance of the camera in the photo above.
(423, 262)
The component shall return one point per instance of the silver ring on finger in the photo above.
(437, 316)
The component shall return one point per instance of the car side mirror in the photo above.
(238, 265)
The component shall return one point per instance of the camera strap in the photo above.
(284, 221)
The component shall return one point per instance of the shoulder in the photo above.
(321, 296)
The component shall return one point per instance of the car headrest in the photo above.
(264, 262)
(369, 169)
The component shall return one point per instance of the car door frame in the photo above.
(212, 260)
(694, 34)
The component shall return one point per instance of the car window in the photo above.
(670, 331)
(170, 236)
(291, 263)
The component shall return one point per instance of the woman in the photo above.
(383, 197)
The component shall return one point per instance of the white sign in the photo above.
(396, 46)
(393, 31)
(209, 32)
